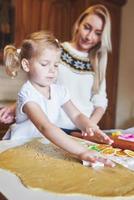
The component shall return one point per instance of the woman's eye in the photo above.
(98, 33)
(87, 27)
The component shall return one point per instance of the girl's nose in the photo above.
(51, 68)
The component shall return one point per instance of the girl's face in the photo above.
(89, 33)
(43, 69)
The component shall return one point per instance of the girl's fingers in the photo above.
(88, 156)
(106, 162)
(93, 158)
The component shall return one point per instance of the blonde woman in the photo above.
(83, 65)
(82, 69)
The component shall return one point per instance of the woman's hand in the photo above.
(96, 135)
(7, 114)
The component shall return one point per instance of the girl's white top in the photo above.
(24, 128)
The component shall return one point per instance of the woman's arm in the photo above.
(100, 103)
(79, 119)
(7, 114)
(56, 135)
(97, 115)
(90, 130)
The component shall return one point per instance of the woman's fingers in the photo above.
(103, 137)
(6, 116)
(8, 120)
(96, 135)
(89, 132)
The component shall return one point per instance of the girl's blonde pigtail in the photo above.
(11, 60)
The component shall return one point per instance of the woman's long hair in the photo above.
(98, 54)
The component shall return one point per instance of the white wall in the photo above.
(125, 94)
(10, 87)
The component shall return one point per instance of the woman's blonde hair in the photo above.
(30, 48)
(98, 54)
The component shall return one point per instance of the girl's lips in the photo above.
(50, 77)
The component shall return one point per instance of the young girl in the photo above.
(40, 99)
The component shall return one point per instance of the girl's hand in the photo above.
(96, 135)
(7, 114)
(92, 157)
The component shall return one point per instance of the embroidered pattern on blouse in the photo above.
(75, 63)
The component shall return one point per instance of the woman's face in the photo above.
(89, 33)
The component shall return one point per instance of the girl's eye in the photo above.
(56, 65)
(43, 64)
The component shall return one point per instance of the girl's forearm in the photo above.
(59, 138)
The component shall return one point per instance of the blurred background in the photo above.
(20, 17)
